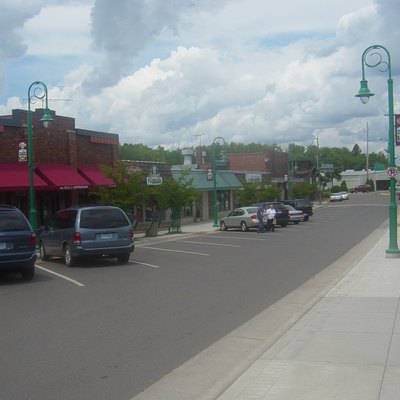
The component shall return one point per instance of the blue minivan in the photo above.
(87, 231)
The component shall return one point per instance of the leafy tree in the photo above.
(305, 190)
(356, 150)
(128, 192)
(270, 192)
(249, 194)
(175, 195)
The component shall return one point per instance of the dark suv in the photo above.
(302, 205)
(282, 213)
(17, 243)
(361, 188)
(88, 230)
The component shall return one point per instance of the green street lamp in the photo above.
(217, 140)
(37, 90)
(291, 167)
(377, 58)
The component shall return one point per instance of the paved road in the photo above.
(111, 331)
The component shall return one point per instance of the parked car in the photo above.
(243, 218)
(282, 213)
(295, 216)
(345, 195)
(88, 230)
(17, 243)
(335, 197)
(304, 205)
(361, 188)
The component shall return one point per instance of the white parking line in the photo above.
(143, 263)
(60, 276)
(211, 244)
(176, 251)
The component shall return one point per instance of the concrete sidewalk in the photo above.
(335, 337)
(347, 346)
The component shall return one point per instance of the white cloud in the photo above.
(162, 71)
(59, 30)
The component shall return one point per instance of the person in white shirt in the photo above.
(271, 215)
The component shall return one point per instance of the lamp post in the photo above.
(37, 90)
(318, 174)
(219, 140)
(377, 58)
(291, 168)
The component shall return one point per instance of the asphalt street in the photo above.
(102, 330)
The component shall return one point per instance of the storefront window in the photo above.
(223, 200)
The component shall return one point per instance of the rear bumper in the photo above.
(17, 262)
(79, 251)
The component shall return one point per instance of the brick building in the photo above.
(67, 161)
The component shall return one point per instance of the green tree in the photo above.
(175, 194)
(249, 194)
(270, 192)
(305, 190)
(129, 189)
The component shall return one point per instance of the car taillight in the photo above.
(33, 240)
(132, 234)
(253, 216)
(77, 238)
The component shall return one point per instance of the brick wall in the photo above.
(271, 162)
(61, 143)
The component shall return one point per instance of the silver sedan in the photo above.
(242, 218)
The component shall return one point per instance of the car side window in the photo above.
(64, 219)
(240, 213)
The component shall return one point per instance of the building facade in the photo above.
(67, 162)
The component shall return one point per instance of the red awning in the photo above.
(62, 177)
(95, 176)
(16, 177)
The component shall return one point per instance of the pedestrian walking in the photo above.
(271, 215)
(260, 214)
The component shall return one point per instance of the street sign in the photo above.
(392, 172)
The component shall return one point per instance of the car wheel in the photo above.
(43, 254)
(283, 224)
(222, 226)
(28, 273)
(69, 260)
(306, 218)
(123, 258)
(243, 226)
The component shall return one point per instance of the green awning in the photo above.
(225, 179)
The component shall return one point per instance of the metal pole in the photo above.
(39, 92)
(393, 248)
(31, 167)
(214, 171)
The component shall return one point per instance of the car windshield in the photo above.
(302, 203)
(102, 218)
(10, 222)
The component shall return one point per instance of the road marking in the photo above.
(60, 276)
(143, 263)
(219, 236)
(176, 251)
(211, 244)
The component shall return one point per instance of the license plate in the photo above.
(106, 236)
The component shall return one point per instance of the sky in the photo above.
(179, 73)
